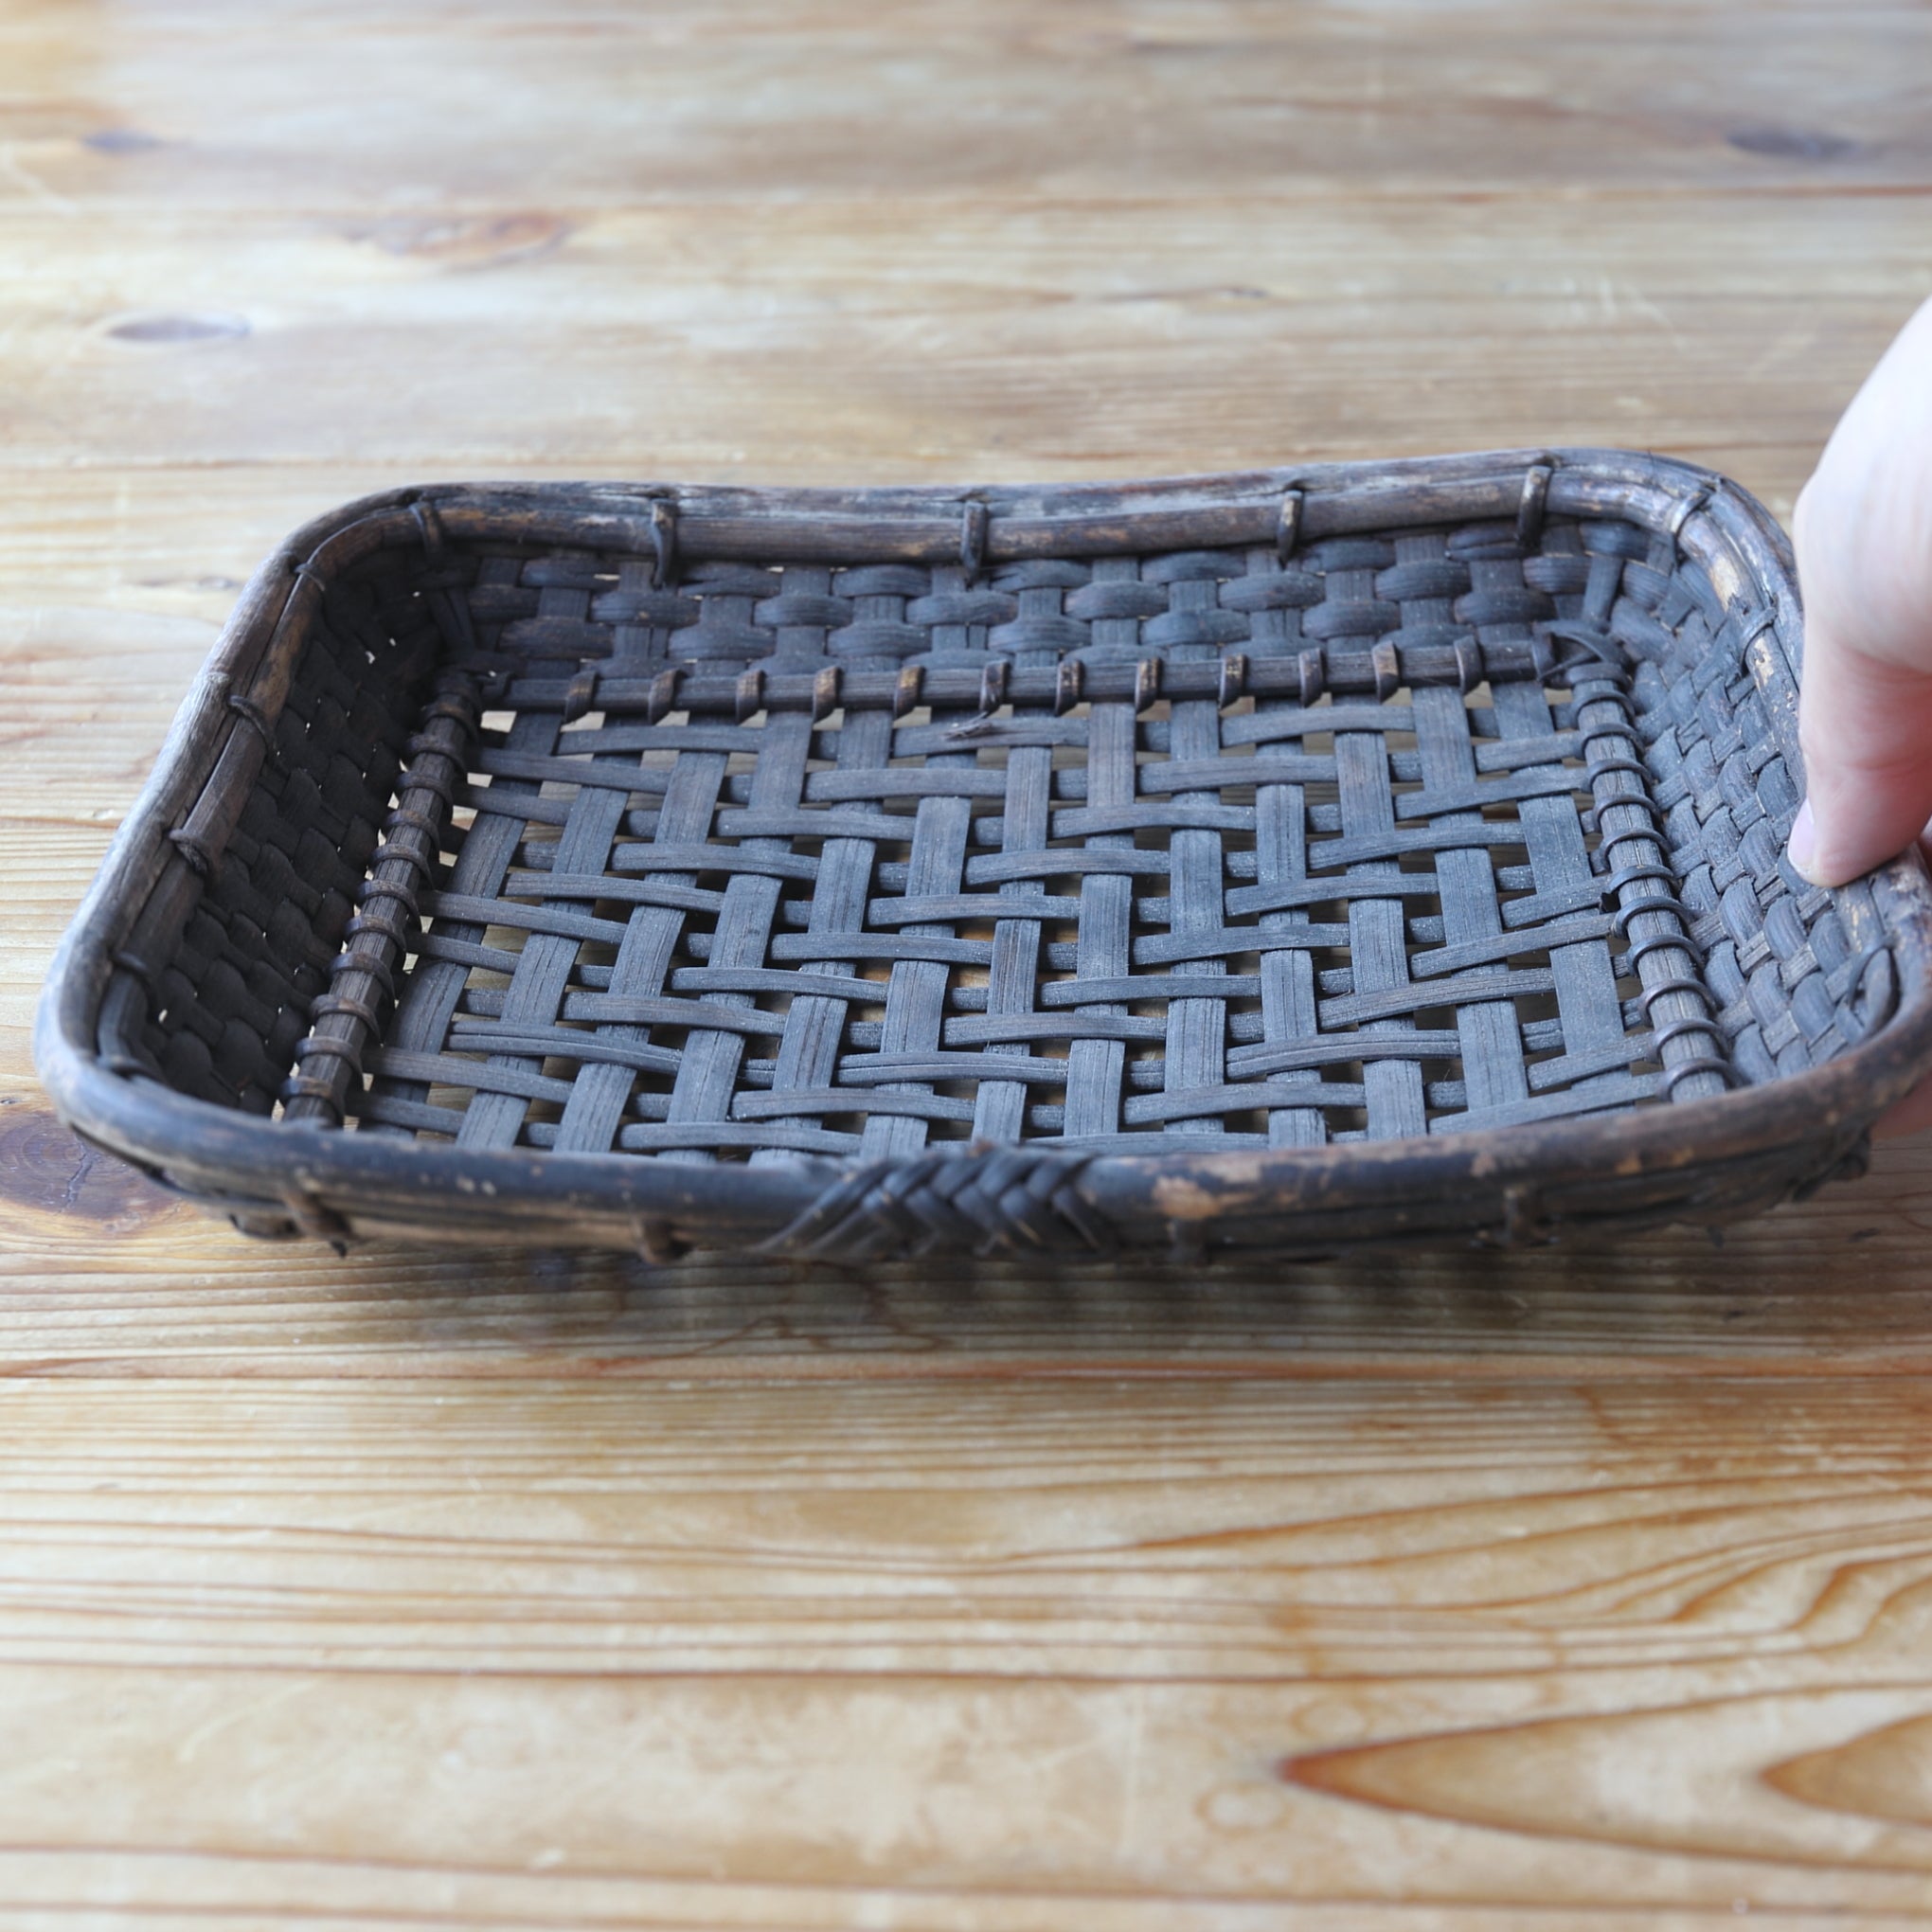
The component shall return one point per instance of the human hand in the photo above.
(1863, 531)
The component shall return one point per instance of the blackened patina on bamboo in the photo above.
(1289, 860)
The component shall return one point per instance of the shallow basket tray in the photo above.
(1290, 861)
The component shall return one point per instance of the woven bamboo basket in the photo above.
(1291, 861)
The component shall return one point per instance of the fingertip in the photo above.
(1816, 859)
(1801, 847)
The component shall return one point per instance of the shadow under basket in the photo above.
(1294, 862)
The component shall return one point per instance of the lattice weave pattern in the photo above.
(233, 998)
(1546, 885)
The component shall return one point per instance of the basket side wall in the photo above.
(232, 964)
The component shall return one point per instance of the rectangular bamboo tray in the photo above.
(1291, 861)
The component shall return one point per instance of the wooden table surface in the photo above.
(1446, 1593)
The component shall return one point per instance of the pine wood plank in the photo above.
(1208, 1641)
(1444, 1592)
(886, 338)
(406, 112)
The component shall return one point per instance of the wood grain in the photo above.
(1446, 1593)
(1018, 335)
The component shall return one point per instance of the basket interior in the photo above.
(1541, 880)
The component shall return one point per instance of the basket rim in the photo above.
(267, 1165)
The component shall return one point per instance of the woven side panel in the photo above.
(1797, 973)
(228, 1009)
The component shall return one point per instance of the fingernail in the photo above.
(1803, 847)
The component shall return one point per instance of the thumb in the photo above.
(1865, 724)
